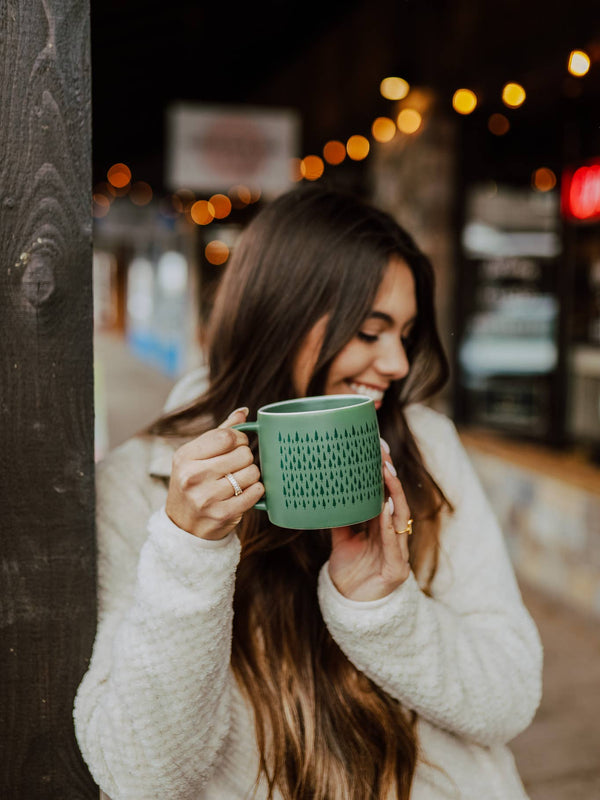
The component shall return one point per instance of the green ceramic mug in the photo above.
(320, 461)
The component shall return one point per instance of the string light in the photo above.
(383, 129)
(579, 63)
(357, 147)
(394, 88)
(464, 101)
(543, 179)
(141, 193)
(312, 167)
(295, 171)
(498, 124)
(202, 212)
(513, 95)
(216, 252)
(409, 120)
(334, 152)
(100, 205)
(221, 205)
(119, 175)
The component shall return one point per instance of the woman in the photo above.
(234, 659)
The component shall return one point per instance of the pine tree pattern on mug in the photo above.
(323, 470)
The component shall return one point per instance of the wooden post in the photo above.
(47, 583)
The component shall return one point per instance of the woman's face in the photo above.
(375, 356)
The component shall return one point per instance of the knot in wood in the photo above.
(38, 280)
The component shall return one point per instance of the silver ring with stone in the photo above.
(237, 489)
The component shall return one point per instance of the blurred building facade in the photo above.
(498, 182)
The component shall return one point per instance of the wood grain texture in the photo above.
(47, 608)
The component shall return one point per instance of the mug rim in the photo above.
(359, 401)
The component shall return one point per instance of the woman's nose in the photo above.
(392, 361)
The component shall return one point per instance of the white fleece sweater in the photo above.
(159, 715)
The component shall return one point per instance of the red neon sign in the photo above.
(580, 194)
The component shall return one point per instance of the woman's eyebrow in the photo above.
(390, 320)
(381, 315)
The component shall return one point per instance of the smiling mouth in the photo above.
(370, 391)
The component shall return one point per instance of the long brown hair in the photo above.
(324, 730)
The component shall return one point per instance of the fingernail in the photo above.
(385, 445)
(242, 408)
(391, 468)
(391, 505)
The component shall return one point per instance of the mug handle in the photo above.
(252, 427)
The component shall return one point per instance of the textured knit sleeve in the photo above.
(153, 709)
(468, 659)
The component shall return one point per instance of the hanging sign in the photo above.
(211, 148)
(580, 193)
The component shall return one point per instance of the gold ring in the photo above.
(408, 528)
(237, 489)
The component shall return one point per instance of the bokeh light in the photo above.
(579, 63)
(464, 101)
(394, 88)
(383, 129)
(312, 168)
(513, 95)
(334, 152)
(141, 193)
(106, 188)
(119, 175)
(216, 252)
(543, 179)
(357, 147)
(100, 205)
(409, 120)
(295, 173)
(202, 212)
(221, 204)
(240, 195)
(498, 124)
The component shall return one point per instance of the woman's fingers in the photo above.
(213, 443)
(244, 478)
(395, 544)
(237, 416)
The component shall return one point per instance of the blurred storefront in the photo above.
(507, 205)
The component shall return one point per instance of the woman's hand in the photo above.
(201, 500)
(370, 562)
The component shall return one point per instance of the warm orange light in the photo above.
(202, 212)
(295, 173)
(240, 195)
(498, 124)
(513, 95)
(357, 147)
(334, 152)
(119, 175)
(221, 204)
(141, 193)
(216, 252)
(543, 179)
(394, 88)
(255, 194)
(177, 203)
(409, 120)
(579, 63)
(100, 205)
(106, 188)
(383, 129)
(464, 101)
(311, 168)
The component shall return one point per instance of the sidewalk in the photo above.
(559, 754)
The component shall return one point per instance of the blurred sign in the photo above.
(580, 194)
(211, 148)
